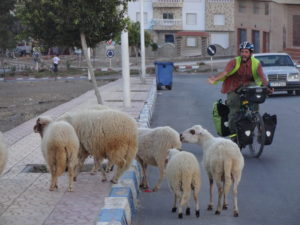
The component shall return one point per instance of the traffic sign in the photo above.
(110, 53)
(211, 50)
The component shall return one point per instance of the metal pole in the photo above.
(125, 69)
(142, 32)
(211, 64)
(89, 55)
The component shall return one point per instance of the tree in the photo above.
(134, 37)
(74, 23)
(7, 21)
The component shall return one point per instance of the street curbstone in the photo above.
(122, 202)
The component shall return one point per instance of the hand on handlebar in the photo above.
(212, 80)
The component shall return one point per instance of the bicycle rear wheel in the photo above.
(259, 135)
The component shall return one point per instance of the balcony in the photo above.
(167, 3)
(167, 24)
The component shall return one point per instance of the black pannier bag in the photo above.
(220, 118)
(270, 126)
(245, 127)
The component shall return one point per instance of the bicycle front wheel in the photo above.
(259, 135)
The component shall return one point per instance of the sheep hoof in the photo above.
(209, 207)
(188, 211)
(174, 209)
(70, 189)
(197, 213)
(235, 213)
(155, 189)
(180, 216)
(225, 206)
(113, 181)
(217, 212)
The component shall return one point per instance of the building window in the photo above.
(220, 38)
(191, 18)
(242, 7)
(266, 8)
(169, 38)
(168, 16)
(296, 28)
(138, 17)
(242, 35)
(255, 7)
(191, 42)
(219, 20)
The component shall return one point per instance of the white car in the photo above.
(281, 71)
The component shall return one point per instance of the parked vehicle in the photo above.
(281, 71)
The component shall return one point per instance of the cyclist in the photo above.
(244, 70)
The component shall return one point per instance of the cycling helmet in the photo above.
(247, 45)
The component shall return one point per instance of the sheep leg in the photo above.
(235, 192)
(162, 172)
(53, 182)
(144, 183)
(210, 204)
(120, 170)
(220, 195)
(175, 203)
(196, 191)
(95, 167)
(227, 185)
(71, 171)
(179, 199)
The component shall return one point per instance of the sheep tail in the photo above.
(60, 163)
(227, 170)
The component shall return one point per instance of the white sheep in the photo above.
(223, 162)
(3, 154)
(153, 148)
(183, 175)
(60, 146)
(105, 134)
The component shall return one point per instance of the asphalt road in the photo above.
(269, 192)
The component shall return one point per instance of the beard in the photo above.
(245, 59)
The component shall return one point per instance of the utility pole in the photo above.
(143, 67)
(125, 69)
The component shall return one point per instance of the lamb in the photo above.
(3, 154)
(60, 146)
(183, 175)
(223, 162)
(153, 148)
(105, 134)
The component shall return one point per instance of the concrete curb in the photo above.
(121, 204)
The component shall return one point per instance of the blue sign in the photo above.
(211, 50)
(110, 53)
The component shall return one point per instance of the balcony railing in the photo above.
(167, 3)
(167, 24)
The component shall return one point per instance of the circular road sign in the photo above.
(110, 53)
(211, 50)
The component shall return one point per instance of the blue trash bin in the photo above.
(164, 74)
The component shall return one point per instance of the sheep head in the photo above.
(193, 135)
(41, 124)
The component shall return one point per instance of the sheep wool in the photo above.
(153, 148)
(3, 154)
(105, 134)
(223, 162)
(183, 175)
(60, 146)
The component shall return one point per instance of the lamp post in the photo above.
(142, 33)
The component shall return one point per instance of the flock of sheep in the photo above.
(105, 133)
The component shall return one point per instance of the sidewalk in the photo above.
(25, 197)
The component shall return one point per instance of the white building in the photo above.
(177, 24)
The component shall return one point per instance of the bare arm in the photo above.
(219, 76)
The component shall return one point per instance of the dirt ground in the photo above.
(21, 101)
